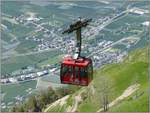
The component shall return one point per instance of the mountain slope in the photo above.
(139, 101)
(112, 80)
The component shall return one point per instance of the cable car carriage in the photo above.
(77, 70)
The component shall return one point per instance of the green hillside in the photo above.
(113, 80)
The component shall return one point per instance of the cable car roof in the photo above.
(76, 62)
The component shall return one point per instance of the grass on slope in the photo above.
(141, 102)
(58, 108)
(119, 77)
(138, 55)
(133, 103)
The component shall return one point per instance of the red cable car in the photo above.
(77, 70)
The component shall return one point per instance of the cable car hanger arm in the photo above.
(77, 27)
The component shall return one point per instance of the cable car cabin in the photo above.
(77, 72)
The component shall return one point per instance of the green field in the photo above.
(6, 37)
(114, 31)
(130, 19)
(50, 60)
(12, 8)
(15, 63)
(13, 90)
(19, 30)
(26, 46)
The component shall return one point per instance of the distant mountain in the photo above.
(121, 87)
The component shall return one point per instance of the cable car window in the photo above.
(76, 72)
(65, 70)
(70, 71)
(83, 72)
(89, 69)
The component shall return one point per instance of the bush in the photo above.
(36, 103)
